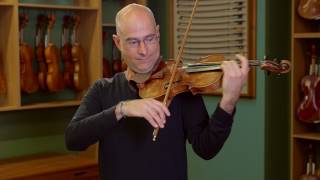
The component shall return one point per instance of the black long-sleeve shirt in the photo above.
(126, 149)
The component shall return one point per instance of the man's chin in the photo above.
(143, 71)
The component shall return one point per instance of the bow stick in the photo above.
(175, 67)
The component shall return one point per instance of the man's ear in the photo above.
(116, 40)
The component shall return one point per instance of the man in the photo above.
(112, 113)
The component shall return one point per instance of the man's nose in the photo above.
(142, 49)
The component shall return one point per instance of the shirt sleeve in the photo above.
(91, 122)
(206, 135)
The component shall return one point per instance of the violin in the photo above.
(80, 78)
(175, 78)
(28, 78)
(201, 77)
(309, 9)
(54, 76)
(66, 52)
(40, 47)
(3, 84)
(310, 86)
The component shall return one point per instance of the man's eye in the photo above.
(133, 42)
(150, 39)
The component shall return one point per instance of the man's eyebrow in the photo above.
(132, 39)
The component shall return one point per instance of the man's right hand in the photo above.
(152, 110)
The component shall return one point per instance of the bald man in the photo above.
(113, 114)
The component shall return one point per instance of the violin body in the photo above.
(308, 108)
(197, 83)
(28, 79)
(66, 51)
(309, 9)
(3, 84)
(80, 79)
(68, 65)
(40, 48)
(54, 77)
(116, 66)
(317, 92)
(310, 86)
(106, 68)
(42, 74)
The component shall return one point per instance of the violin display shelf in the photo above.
(86, 52)
(305, 84)
(81, 165)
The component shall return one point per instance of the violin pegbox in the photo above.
(276, 66)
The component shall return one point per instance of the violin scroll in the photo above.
(272, 66)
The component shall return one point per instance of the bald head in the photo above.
(131, 14)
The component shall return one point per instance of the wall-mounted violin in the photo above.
(80, 79)
(54, 76)
(66, 51)
(40, 47)
(3, 82)
(28, 78)
(310, 86)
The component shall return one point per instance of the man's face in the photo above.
(139, 44)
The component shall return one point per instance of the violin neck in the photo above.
(212, 66)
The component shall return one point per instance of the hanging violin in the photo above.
(54, 77)
(309, 9)
(310, 86)
(80, 78)
(66, 52)
(40, 47)
(28, 78)
(3, 83)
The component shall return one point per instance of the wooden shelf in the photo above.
(58, 7)
(42, 105)
(35, 166)
(302, 31)
(5, 4)
(307, 136)
(307, 35)
(90, 30)
(67, 166)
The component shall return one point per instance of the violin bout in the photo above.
(28, 79)
(3, 87)
(68, 65)
(309, 9)
(54, 77)
(197, 83)
(308, 110)
(42, 74)
(80, 79)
